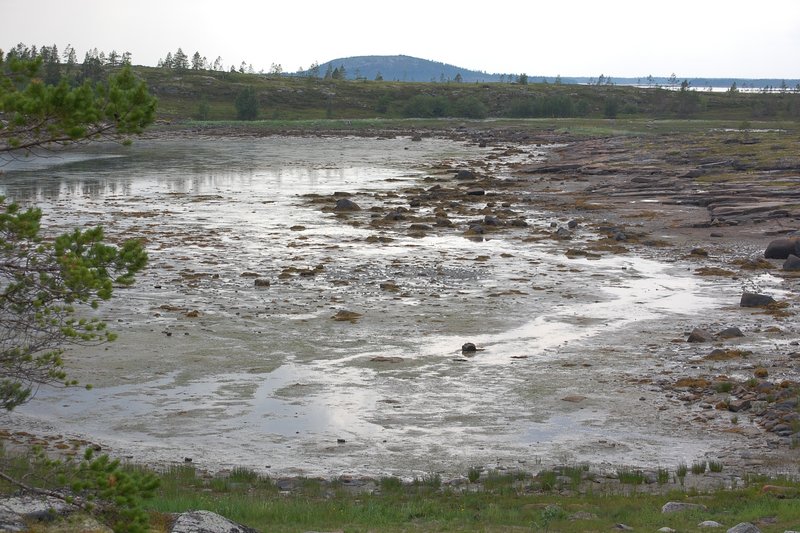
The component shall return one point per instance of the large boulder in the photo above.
(781, 248)
(677, 507)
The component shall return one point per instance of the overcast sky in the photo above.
(691, 38)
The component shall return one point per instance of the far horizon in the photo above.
(580, 39)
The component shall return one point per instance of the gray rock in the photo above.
(346, 204)
(572, 224)
(700, 335)
(15, 511)
(207, 522)
(744, 527)
(730, 333)
(709, 523)
(469, 347)
(261, 282)
(476, 191)
(792, 263)
(676, 507)
(781, 248)
(464, 174)
(623, 527)
(666, 530)
(752, 299)
(563, 233)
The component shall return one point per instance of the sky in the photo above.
(622, 38)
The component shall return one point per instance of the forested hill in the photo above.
(400, 68)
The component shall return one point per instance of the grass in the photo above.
(506, 501)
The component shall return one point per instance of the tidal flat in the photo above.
(282, 329)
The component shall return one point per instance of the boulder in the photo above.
(469, 347)
(744, 527)
(792, 263)
(700, 335)
(676, 507)
(752, 299)
(207, 522)
(476, 191)
(782, 248)
(465, 174)
(730, 333)
(709, 523)
(261, 282)
(346, 204)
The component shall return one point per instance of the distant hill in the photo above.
(414, 69)
(403, 68)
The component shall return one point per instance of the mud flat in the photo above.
(308, 300)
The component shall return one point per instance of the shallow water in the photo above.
(265, 378)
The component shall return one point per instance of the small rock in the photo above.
(346, 316)
(576, 398)
(386, 359)
(752, 299)
(465, 174)
(261, 282)
(623, 527)
(563, 233)
(730, 333)
(666, 530)
(572, 224)
(744, 527)
(709, 523)
(475, 191)
(469, 347)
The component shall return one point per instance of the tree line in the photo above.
(56, 66)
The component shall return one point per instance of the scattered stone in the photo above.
(386, 359)
(623, 527)
(752, 299)
(249, 274)
(700, 335)
(469, 347)
(465, 174)
(193, 314)
(666, 530)
(709, 523)
(347, 316)
(782, 248)
(572, 224)
(207, 522)
(792, 263)
(346, 204)
(744, 527)
(735, 406)
(730, 333)
(261, 282)
(475, 191)
(575, 398)
(699, 252)
(675, 507)
(563, 233)
(420, 227)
